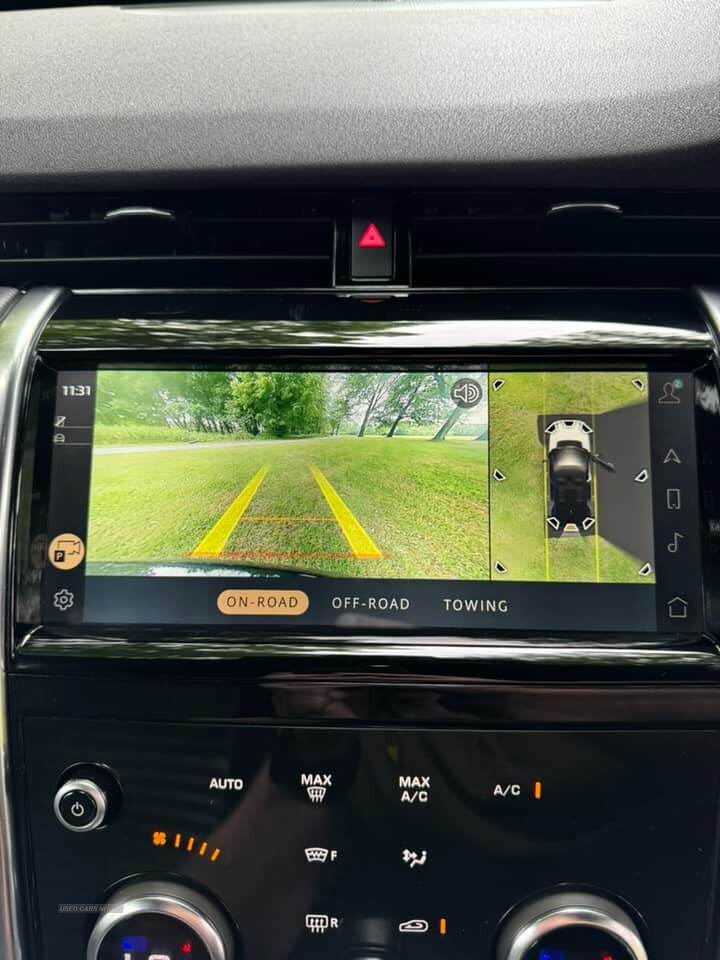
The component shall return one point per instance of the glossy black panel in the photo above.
(492, 818)
(453, 694)
(429, 660)
(504, 321)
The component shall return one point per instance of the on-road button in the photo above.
(263, 603)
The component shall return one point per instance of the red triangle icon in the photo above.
(372, 238)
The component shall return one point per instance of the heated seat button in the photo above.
(80, 805)
(372, 241)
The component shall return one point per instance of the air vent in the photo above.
(166, 240)
(489, 239)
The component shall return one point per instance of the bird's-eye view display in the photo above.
(391, 474)
(570, 484)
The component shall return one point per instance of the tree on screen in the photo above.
(369, 392)
(412, 397)
(176, 398)
(455, 414)
(278, 404)
(206, 395)
(339, 409)
(447, 426)
(133, 396)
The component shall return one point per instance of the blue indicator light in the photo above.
(552, 955)
(134, 944)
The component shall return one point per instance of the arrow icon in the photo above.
(671, 457)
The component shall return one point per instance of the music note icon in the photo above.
(674, 544)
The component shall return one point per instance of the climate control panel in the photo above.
(297, 843)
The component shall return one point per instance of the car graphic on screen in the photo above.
(570, 487)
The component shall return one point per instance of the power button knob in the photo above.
(81, 805)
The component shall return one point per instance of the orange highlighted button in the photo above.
(66, 551)
(263, 603)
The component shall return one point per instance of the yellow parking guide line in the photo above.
(596, 532)
(545, 524)
(213, 543)
(359, 540)
(596, 535)
(545, 468)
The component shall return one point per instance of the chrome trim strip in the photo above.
(19, 334)
(381, 649)
(584, 208)
(709, 298)
(359, 289)
(153, 333)
(128, 213)
(7, 296)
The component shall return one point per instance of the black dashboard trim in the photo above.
(571, 94)
(20, 331)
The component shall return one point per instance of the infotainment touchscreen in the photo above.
(479, 498)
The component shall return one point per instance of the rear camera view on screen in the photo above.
(344, 474)
(432, 475)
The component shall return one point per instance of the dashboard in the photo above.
(359, 491)
(377, 624)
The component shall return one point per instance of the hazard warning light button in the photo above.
(372, 241)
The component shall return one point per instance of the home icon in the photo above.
(677, 608)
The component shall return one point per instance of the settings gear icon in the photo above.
(63, 600)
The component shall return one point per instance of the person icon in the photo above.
(668, 394)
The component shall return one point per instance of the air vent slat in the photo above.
(230, 240)
(259, 239)
(560, 255)
(529, 238)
